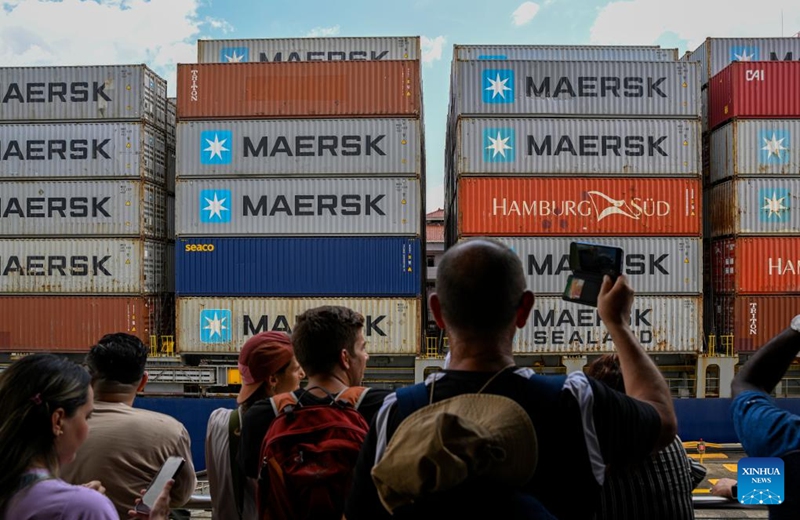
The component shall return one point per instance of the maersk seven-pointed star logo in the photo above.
(215, 206)
(774, 145)
(234, 55)
(497, 85)
(215, 326)
(744, 53)
(215, 146)
(498, 144)
(775, 204)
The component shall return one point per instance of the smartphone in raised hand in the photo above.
(168, 471)
(589, 263)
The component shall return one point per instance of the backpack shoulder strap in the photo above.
(281, 401)
(411, 398)
(234, 434)
(353, 395)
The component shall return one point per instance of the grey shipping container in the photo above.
(392, 325)
(755, 207)
(308, 49)
(170, 217)
(524, 146)
(169, 267)
(171, 169)
(565, 52)
(82, 150)
(577, 88)
(274, 207)
(299, 147)
(83, 93)
(81, 266)
(661, 324)
(172, 121)
(717, 53)
(653, 265)
(58, 208)
(755, 148)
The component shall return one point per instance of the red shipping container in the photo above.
(298, 89)
(757, 265)
(756, 89)
(754, 320)
(578, 207)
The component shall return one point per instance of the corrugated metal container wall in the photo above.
(391, 325)
(171, 170)
(170, 217)
(653, 265)
(169, 267)
(586, 88)
(662, 325)
(564, 52)
(112, 208)
(82, 150)
(761, 265)
(309, 49)
(172, 121)
(755, 148)
(300, 147)
(704, 109)
(755, 207)
(376, 266)
(762, 90)
(587, 207)
(329, 89)
(298, 207)
(81, 266)
(109, 92)
(754, 320)
(573, 147)
(717, 53)
(73, 323)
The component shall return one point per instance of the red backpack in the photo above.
(308, 455)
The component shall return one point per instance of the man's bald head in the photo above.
(479, 284)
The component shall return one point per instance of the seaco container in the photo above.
(717, 53)
(576, 88)
(308, 49)
(75, 323)
(754, 320)
(579, 207)
(376, 266)
(298, 207)
(653, 265)
(391, 325)
(757, 90)
(755, 148)
(83, 93)
(111, 208)
(367, 147)
(751, 265)
(564, 53)
(572, 147)
(313, 90)
(82, 150)
(661, 324)
(755, 207)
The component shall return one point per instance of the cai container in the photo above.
(754, 207)
(756, 265)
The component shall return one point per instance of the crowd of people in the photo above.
(482, 438)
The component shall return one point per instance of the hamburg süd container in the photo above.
(756, 90)
(81, 266)
(755, 207)
(754, 320)
(756, 265)
(578, 207)
(222, 325)
(717, 53)
(375, 266)
(326, 206)
(83, 93)
(302, 147)
(565, 52)
(755, 148)
(312, 90)
(576, 88)
(308, 49)
(577, 147)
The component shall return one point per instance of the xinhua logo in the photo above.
(497, 85)
(775, 204)
(215, 326)
(499, 144)
(760, 481)
(234, 55)
(215, 146)
(744, 53)
(215, 206)
(774, 146)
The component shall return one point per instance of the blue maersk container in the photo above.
(329, 266)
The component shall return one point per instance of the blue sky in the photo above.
(162, 33)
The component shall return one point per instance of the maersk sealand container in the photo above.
(325, 266)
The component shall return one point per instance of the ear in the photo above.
(524, 309)
(145, 378)
(273, 380)
(57, 419)
(344, 359)
(436, 309)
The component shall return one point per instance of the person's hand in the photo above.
(160, 509)
(615, 301)
(724, 488)
(96, 485)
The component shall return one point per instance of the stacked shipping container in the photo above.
(82, 206)
(299, 184)
(542, 151)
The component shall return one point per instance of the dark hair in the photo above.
(118, 358)
(480, 284)
(606, 369)
(31, 389)
(320, 335)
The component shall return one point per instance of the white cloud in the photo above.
(435, 199)
(525, 13)
(642, 22)
(431, 48)
(323, 32)
(218, 24)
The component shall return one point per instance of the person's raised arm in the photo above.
(769, 364)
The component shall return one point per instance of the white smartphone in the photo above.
(168, 471)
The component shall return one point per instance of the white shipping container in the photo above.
(308, 49)
(81, 266)
(715, 54)
(755, 148)
(222, 325)
(565, 52)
